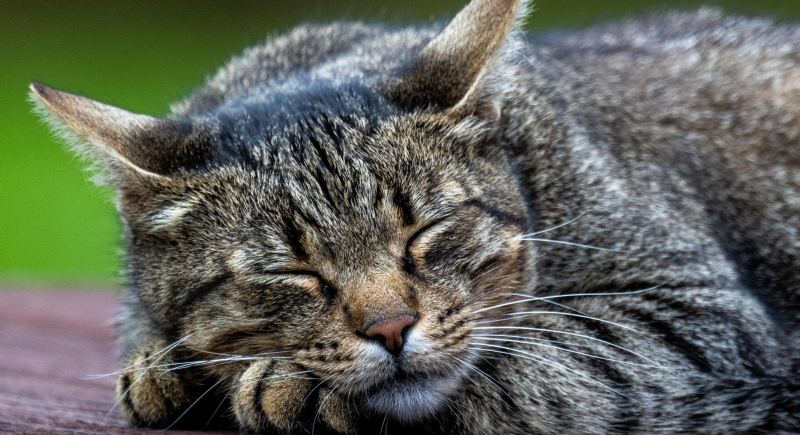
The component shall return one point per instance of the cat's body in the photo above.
(338, 215)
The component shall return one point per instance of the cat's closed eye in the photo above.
(418, 245)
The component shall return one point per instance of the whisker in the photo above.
(221, 402)
(211, 362)
(567, 307)
(163, 353)
(569, 295)
(574, 334)
(384, 422)
(133, 366)
(555, 227)
(490, 338)
(483, 357)
(561, 242)
(276, 377)
(485, 376)
(234, 355)
(314, 389)
(582, 316)
(193, 403)
(536, 339)
(321, 405)
(533, 357)
(529, 298)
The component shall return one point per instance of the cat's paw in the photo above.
(275, 394)
(148, 394)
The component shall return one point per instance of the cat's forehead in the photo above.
(336, 173)
(265, 115)
(336, 210)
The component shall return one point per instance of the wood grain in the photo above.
(52, 347)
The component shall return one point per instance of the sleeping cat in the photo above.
(462, 229)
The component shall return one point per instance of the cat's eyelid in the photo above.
(286, 270)
(290, 272)
(268, 276)
(424, 229)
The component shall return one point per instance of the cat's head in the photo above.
(354, 229)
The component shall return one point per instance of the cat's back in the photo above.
(700, 113)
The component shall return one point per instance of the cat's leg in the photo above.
(148, 393)
(276, 394)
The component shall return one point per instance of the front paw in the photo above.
(274, 394)
(148, 394)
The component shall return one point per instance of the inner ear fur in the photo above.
(149, 146)
(447, 72)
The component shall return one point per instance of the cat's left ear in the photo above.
(454, 72)
(129, 145)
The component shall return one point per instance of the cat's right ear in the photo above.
(452, 74)
(129, 145)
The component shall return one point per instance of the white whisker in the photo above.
(277, 376)
(533, 357)
(194, 403)
(485, 376)
(529, 298)
(582, 316)
(315, 388)
(321, 405)
(561, 242)
(574, 334)
(132, 367)
(491, 338)
(163, 353)
(555, 227)
(216, 410)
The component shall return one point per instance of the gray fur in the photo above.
(310, 198)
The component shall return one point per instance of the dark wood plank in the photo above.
(52, 347)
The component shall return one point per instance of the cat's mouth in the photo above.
(401, 377)
(409, 396)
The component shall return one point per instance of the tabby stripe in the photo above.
(323, 186)
(487, 264)
(195, 295)
(126, 398)
(671, 338)
(403, 205)
(293, 238)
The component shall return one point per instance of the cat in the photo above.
(464, 229)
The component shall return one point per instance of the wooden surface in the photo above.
(52, 347)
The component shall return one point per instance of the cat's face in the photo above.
(356, 228)
(299, 254)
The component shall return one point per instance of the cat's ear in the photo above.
(126, 143)
(448, 74)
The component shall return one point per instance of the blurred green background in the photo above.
(58, 229)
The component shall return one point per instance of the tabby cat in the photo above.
(463, 229)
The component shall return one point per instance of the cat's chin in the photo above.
(410, 398)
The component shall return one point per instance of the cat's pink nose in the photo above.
(392, 332)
